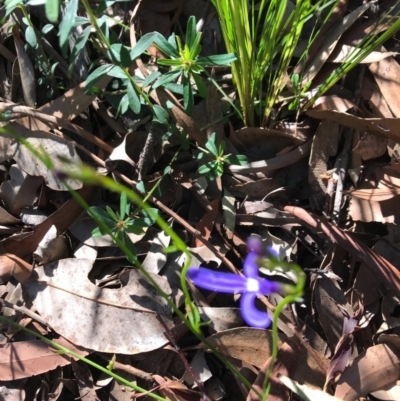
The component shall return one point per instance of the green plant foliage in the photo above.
(185, 61)
(121, 223)
(215, 168)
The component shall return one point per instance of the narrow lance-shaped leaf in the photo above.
(190, 31)
(187, 95)
(218, 59)
(201, 86)
(67, 24)
(211, 146)
(123, 202)
(134, 101)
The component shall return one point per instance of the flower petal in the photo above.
(217, 281)
(251, 315)
(250, 266)
(254, 244)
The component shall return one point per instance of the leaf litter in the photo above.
(340, 343)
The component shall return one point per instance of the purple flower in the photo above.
(251, 285)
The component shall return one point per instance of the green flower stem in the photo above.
(297, 292)
(63, 350)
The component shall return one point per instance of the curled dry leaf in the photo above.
(13, 266)
(119, 320)
(52, 247)
(20, 190)
(374, 369)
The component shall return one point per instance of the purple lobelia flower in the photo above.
(250, 286)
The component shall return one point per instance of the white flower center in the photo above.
(253, 285)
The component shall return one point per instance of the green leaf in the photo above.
(187, 95)
(218, 59)
(205, 168)
(101, 214)
(134, 228)
(97, 232)
(167, 170)
(30, 37)
(112, 214)
(95, 76)
(237, 159)
(47, 28)
(172, 42)
(66, 25)
(168, 77)
(123, 202)
(134, 101)
(165, 46)
(170, 249)
(52, 9)
(79, 45)
(161, 114)
(140, 187)
(123, 104)
(117, 72)
(144, 42)
(151, 78)
(119, 54)
(191, 32)
(129, 244)
(196, 48)
(201, 86)
(211, 145)
(170, 62)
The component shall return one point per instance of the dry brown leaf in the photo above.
(306, 393)
(7, 218)
(262, 143)
(20, 190)
(119, 320)
(62, 219)
(328, 294)
(26, 69)
(30, 358)
(325, 145)
(221, 318)
(387, 76)
(371, 146)
(13, 266)
(331, 39)
(333, 102)
(246, 344)
(372, 370)
(52, 247)
(84, 378)
(342, 52)
(385, 127)
(370, 92)
(206, 225)
(54, 147)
